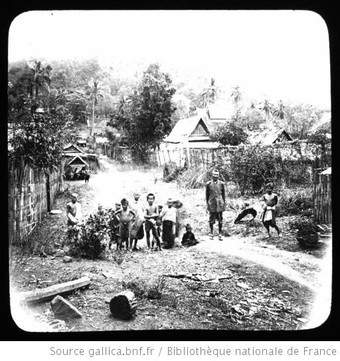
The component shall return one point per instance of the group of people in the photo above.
(215, 200)
(157, 221)
(131, 222)
(77, 174)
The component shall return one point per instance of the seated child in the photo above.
(188, 238)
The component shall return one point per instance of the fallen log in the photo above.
(48, 293)
(197, 277)
(123, 305)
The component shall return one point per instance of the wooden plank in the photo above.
(48, 293)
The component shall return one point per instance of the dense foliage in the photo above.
(296, 201)
(252, 166)
(39, 119)
(229, 134)
(38, 140)
(145, 116)
(91, 238)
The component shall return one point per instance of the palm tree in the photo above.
(94, 91)
(41, 78)
(267, 107)
(210, 93)
(280, 112)
(236, 97)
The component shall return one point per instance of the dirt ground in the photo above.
(245, 282)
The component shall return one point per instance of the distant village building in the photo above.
(81, 143)
(194, 132)
(74, 157)
(269, 136)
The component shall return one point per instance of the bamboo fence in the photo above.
(323, 198)
(30, 195)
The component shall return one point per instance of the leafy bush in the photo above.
(143, 289)
(193, 178)
(229, 134)
(250, 167)
(304, 226)
(90, 239)
(306, 234)
(171, 172)
(296, 202)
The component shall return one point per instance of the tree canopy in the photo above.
(145, 115)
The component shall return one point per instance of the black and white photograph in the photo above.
(169, 170)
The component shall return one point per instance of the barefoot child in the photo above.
(169, 217)
(150, 215)
(125, 216)
(73, 210)
(269, 202)
(114, 225)
(137, 231)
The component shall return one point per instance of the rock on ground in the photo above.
(63, 309)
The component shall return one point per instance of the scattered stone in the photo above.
(57, 324)
(60, 253)
(63, 309)
(56, 212)
(67, 259)
(242, 285)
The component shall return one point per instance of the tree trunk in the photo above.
(92, 126)
(123, 305)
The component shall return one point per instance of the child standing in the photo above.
(150, 215)
(269, 202)
(114, 225)
(125, 216)
(137, 231)
(168, 217)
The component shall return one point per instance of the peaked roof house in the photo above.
(192, 129)
(74, 156)
(194, 132)
(72, 148)
(77, 162)
(269, 136)
(325, 124)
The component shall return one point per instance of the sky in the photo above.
(278, 54)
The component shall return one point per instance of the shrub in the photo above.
(171, 171)
(229, 134)
(306, 234)
(193, 178)
(143, 289)
(251, 167)
(296, 202)
(90, 239)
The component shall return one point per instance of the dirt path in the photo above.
(114, 183)
(250, 297)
